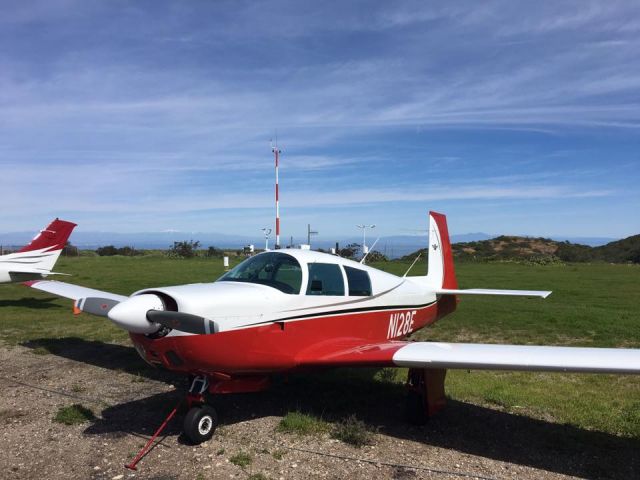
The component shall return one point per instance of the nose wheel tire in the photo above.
(200, 423)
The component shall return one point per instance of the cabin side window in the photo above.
(359, 282)
(325, 279)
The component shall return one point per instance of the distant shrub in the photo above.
(107, 251)
(214, 252)
(70, 250)
(110, 251)
(350, 251)
(542, 260)
(570, 252)
(376, 256)
(184, 249)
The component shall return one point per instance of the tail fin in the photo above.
(441, 272)
(54, 237)
(43, 251)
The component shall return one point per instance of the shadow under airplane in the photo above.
(337, 394)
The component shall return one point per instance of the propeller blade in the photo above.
(96, 305)
(185, 322)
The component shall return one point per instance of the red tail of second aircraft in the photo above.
(54, 237)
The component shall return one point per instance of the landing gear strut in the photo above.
(425, 394)
(201, 419)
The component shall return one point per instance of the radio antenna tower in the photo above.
(276, 153)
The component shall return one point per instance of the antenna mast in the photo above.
(276, 153)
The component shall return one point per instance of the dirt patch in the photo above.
(129, 401)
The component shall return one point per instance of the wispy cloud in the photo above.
(159, 109)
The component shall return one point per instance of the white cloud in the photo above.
(175, 115)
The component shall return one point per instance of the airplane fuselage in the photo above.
(262, 329)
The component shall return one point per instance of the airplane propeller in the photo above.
(145, 314)
(185, 322)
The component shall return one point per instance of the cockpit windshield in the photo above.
(274, 269)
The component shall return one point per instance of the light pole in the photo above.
(267, 232)
(364, 236)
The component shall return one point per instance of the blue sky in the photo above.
(510, 117)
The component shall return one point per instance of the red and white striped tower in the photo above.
(276, 153)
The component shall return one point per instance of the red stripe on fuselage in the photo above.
(281, 346)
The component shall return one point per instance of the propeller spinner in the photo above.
(131, 314)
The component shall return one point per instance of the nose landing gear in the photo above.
(201, 420)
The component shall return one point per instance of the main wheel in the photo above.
(200, 423)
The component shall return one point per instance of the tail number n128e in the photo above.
(400, 324)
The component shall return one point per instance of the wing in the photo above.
(518, 357)
(86, 299)
(479, 357)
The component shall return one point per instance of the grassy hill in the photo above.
(544, 250)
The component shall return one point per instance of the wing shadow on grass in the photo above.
(31, 302)
(464, 427)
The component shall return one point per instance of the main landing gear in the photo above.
(201, 419)
(425, 394)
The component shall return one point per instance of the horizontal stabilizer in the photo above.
(35, 271)
(517, 357)
(492, 291)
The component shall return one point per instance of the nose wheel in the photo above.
(200, 423)
(201, 419)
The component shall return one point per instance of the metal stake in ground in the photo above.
(147, 447)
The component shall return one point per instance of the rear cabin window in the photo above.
(359, 282)
(325, 279)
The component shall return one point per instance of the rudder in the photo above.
(441, 273)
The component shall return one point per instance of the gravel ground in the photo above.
(466, 441)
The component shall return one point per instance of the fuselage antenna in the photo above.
(414, 262)
(276, 153)
(369, 251)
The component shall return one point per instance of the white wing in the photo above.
(492, 291)
(86, 299)
(517, 357)
(74, 292)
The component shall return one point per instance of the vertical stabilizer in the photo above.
(54, 237)
(36, 260)
(441, 272)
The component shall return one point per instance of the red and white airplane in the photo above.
(289, 310)
(36, 260)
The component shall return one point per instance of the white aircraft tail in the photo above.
(441, 277)
(441, 272)
(38, 257)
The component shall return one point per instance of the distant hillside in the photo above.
(526, 248)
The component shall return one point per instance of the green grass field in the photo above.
(592, 305)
